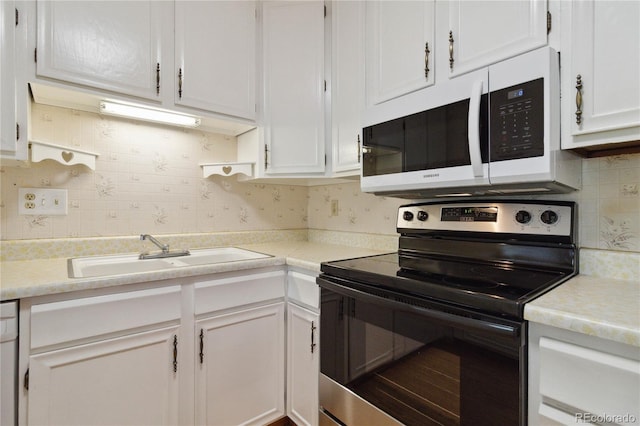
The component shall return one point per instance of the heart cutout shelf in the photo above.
(227, 169)
(62, 154)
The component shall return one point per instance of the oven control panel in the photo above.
(522, 217)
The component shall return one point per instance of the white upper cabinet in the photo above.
(400, 48)
(215, 56)
(7, 77)
(484, 32)
(293, 80)
(114, 46)
(13, 88)
(601, 84)
(347, 84)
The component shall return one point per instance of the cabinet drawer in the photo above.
(238, 290)
(87, 318)
(582, 380)
(303, 288)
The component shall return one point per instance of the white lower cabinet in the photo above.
(303, 347)
(303, 363)
(106, 359)
(128, 380)
(576, 378)
(240, 370)
(207, 350)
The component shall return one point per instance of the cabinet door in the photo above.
(400, 48)
(122, 381)
(485, 32)
(108, 45)
(215, 56)
(8, 140)
(293, 60)
(603, 92)
(347, 84)
(240, 367)
(303, 364)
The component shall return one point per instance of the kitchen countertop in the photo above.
(600, 307)
(28, 278)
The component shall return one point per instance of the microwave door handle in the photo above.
(473, 132)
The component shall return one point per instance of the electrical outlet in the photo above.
(43, 201)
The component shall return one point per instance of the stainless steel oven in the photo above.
(434, 334)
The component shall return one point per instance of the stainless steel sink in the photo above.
(99, 266)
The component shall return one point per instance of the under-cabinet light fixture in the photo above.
(148, 114)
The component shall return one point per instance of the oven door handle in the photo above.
(477, 325)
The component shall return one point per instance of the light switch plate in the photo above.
(42, 201)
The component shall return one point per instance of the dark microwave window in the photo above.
(383, 148)
(431, 139)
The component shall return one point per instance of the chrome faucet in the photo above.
(163, 247)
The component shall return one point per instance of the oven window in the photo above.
(432, 139)
(418, 371)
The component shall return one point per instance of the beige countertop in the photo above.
(600, 307)
(28, 278)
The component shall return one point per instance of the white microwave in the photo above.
(492, 131)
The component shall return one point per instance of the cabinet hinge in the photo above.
(26, 380)
(17, 17)
(548, 22)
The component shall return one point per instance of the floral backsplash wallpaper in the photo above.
(148, 180)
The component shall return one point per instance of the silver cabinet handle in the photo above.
(426, 60)
(579, 99)
(175, 353)
(313, 328)
(451, 50)
(158, 78)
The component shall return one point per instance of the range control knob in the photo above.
(523, 217)
(407, 215)
(549, 217)
(423, 216)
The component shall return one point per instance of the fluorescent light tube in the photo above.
(148, 114)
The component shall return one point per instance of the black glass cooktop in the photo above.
(490, 288)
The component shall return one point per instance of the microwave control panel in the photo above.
(517, 121)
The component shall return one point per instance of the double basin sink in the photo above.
(100, 266)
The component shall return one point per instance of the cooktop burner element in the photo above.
(482, 256)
